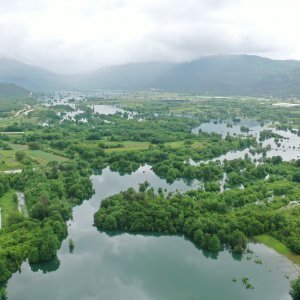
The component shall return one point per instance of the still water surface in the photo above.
(288, 147)
(125, 266)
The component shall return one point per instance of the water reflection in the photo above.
(232, 128)
(126, 266)
(102, 109)
(50, 266)
(288, 146)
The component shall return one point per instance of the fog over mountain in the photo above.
(232, 47)
(212, 75)
(8, 90)
(28, 76)
(75, 36)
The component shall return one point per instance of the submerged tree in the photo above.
(71, 245)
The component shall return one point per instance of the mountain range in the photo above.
(228, 75)
(11, 90)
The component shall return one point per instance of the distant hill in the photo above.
(13, 98)
(28, 76)
(246, 75)
(130, 76)
(235, 75)
(10, 90)
(214, 75)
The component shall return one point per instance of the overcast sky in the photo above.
(81, 35)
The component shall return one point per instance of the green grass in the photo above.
(12, 133)
(43, 157)
(278, 247)
(130, 146)
(7, 205)
(18, 147)
(273, 243)
(9, 162)
(6, 122)
(178, 144)
(198, 145)
(33, 118)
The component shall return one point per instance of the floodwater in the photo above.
(288, 147)
(144, 267)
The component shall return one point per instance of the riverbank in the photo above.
(279, 247)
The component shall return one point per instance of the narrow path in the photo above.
(290, 205)
(17, 171)
(21, 204)
(22, 112)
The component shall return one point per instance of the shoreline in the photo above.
(279, 247)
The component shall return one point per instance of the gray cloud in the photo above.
(75, 35)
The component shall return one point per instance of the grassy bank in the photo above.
(278, 247)
(8, 205)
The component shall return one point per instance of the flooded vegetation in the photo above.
(190, 162)
(149, 150)
(113, 261)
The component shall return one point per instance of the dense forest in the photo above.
(50, 194)
(211, 219)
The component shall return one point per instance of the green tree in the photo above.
(295, 291)
(110, 223)
(34, 146)
(4, 272)
(3, 293)
(296, 177)
(211, 243)
(238, 241)
(20, 155)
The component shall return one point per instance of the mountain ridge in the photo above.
(8, 90)
(230, 75)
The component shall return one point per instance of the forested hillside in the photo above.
(229, 75)
(10, 90)
(13, 98)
